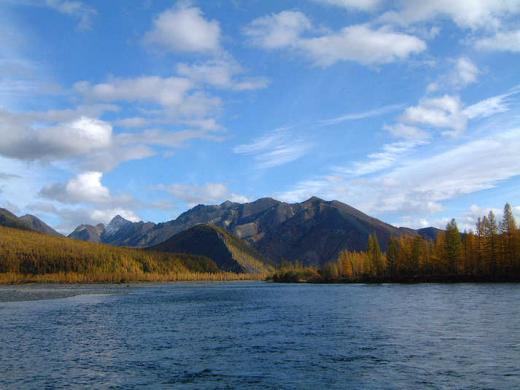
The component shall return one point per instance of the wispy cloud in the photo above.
(361, 115)
(402, 178)
(275, 148)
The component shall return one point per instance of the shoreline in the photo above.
(75, 278)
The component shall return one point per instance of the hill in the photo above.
(228, 252)
(36, 224)
(31, 256)
(27, 222)
(8, 219)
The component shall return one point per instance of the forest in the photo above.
(27, 256)
(490, 253)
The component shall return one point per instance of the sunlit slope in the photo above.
(229, 253)
(26, 252)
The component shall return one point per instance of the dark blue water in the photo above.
(259, 335)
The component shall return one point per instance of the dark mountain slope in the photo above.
(8, 219)
(228, 252)
(319, 230)
(27, 222)
(430, 233)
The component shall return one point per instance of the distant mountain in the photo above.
(312, 232)
(88, 233)
(8, 219)
(228, 252)
(122, 232)
(429, 233)
(27, 222)
(38, 225)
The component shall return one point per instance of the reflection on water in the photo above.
(260, 335)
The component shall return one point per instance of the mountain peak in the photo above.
(314, 199)
(227, 203)
(115, 224)
(117, 220)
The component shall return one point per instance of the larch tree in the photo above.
(375, 255)
(453, 247)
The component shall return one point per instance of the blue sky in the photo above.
(409, 111)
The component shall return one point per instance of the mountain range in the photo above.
(243, 236)
(312, 232)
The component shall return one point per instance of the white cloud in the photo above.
(467, 71)
(178, 98)
(473, 14)
(276, 148)
(362, 44)
(88, 143)
(278, 31)
(220, 74)
(184, 29)
(168, 92)
(359, 43)
(447, 113)
(79, 137)
(463, 72)
(443, 112)
(400, 130)
(363, 5)
(508, 41)
(209, 193)
(77, 9)
(84, 188)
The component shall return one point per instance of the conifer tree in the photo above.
(375, 255)
(392, 255)
(491, 244)
(453, 248)
(508, 230)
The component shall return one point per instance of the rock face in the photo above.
(27, 222)
(228, 252)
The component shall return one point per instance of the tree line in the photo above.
(491, 252)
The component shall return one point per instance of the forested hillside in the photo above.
(31, 256)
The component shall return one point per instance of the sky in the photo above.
(406, 110)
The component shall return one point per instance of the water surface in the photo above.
(260, 335)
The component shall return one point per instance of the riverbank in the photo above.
(315, 277)
(78, 278)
